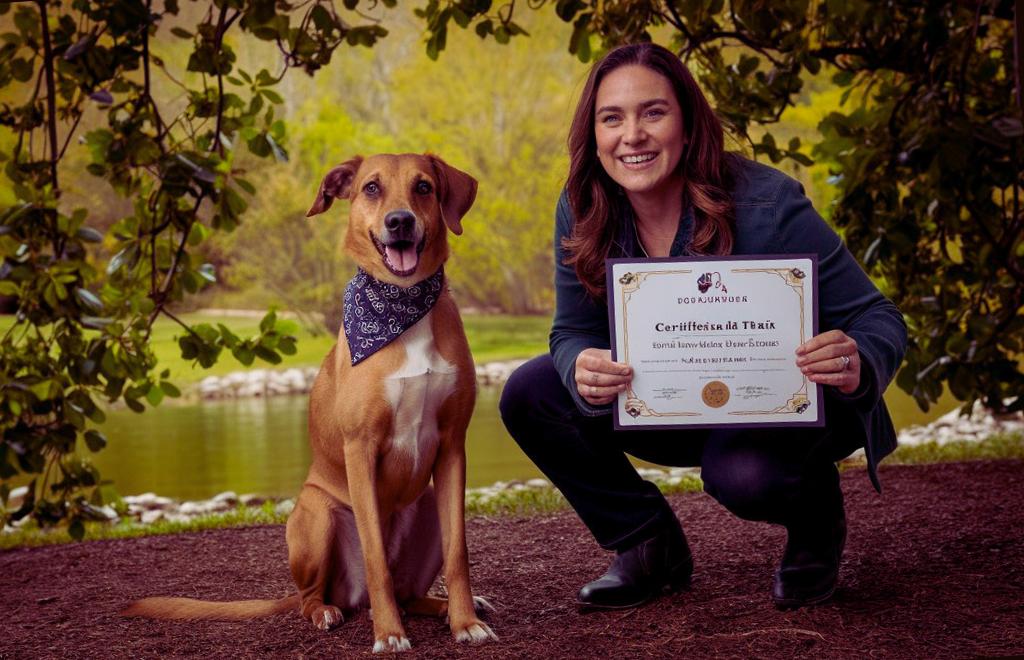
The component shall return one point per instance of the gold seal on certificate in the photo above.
(712, 340)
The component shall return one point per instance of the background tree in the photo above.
(498, 112)
(83, 322)
(926, 149)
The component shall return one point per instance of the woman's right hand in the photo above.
(598, 379)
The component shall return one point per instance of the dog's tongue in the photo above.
(404, 259)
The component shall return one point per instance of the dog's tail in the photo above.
(189, 608)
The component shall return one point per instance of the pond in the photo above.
(194, 451)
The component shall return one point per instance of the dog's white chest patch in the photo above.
(416, 391)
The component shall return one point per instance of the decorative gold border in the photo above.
(630, 283)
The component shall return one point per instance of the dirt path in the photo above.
(933, 569)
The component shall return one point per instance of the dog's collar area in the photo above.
(376, 313)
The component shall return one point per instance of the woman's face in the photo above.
(638, 126)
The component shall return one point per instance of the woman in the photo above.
(649, 177)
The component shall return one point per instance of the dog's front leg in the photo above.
(450, 487)
(360, 465)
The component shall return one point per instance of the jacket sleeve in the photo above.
(847, 299)
(579, 321)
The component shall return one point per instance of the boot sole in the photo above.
(797, 603)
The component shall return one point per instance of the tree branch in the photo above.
(218, 43)
(71, 133)
(51, 94)
(146, 82)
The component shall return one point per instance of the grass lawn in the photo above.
(491, 338)
(527, 502)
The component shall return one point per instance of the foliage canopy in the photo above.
(926, 151)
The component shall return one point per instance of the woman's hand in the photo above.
(830, 358)
(598, 379)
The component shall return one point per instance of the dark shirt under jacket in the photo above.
(772, 217)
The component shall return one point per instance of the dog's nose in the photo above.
(399, 222)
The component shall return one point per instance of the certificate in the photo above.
(712, 340)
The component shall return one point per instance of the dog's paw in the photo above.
(476, 633)
(327, 617)
(392, 645)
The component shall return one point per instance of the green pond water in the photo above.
(194, 451)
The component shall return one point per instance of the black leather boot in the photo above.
(662, 564)
(809, 569)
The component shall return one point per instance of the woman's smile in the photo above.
(638, 161)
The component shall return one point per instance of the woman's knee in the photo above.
(750, 487)
(531, 390)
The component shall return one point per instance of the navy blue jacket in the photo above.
(773, 216)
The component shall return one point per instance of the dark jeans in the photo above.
(779, 475)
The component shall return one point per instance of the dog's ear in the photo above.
(336, 185)
(456, 191)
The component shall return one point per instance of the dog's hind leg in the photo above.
(310, 535)
(426, 606)
(434, 606)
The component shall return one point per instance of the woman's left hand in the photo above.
(831, 358)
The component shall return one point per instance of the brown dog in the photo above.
(365, 529)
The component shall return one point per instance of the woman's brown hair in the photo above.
(596, 201)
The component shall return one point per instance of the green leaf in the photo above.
(843, 78)
(96, 322)
(268, 355)
(89, 300)
(126, 258)
(188, 347)
(181, 33)
(272, 96)
(89, 235)
(197, 233)
(286, 345)
(246, 186)
(95, 440)
(155, 395)
(229, 338)
(170, 389)
(268, 322)
(286, 327)
(244, 354)
(21, 69)
(280, 154)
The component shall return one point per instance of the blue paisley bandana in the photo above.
(376, 313)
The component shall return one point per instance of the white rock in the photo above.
(251, 499)
(284, 507)
(228, 497)
(538, 483)
(190, 509)
(151, 516)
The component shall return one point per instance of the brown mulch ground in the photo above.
(934, 568)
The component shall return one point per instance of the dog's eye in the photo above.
(424, 188)
(371, 189)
